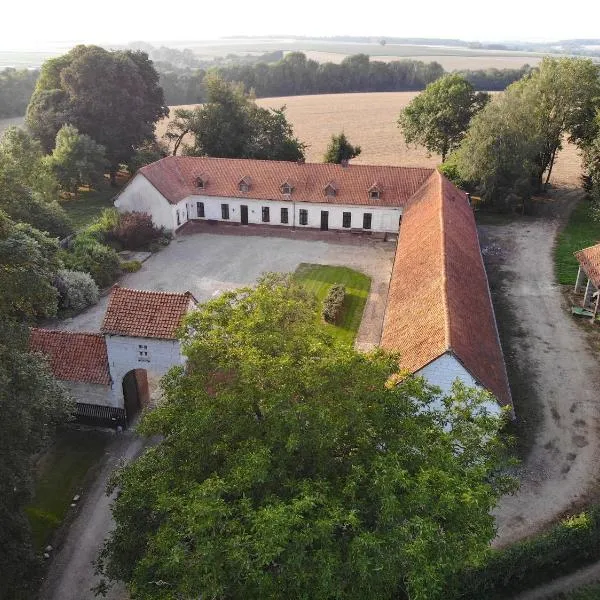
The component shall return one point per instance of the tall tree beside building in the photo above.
(340, 149)
(439, 117)
(294, 466)
(114, 97)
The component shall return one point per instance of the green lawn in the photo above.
(89, 204)
(319, 279)
(581, 231)
(60, 476)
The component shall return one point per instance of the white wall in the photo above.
(141, 196)
(123, 357)
(443, 371)
(384, 218)
(90, 393)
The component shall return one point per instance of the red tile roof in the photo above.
(175, 178)
(144, 313)
(589, 259)
(439, 299)
(73, 356)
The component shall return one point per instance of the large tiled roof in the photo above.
(175, 178)
(439, 299)
(73, 356)
(144, 313)
(589, 259)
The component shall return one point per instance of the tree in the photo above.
(32, 405)
(340, 150)
(438, 118)
(114, 97)
(28, 265)
(231, 125)
(293, 466)
(76, 159)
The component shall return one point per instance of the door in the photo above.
(324, 220)
(244, 214)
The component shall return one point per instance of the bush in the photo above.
(131, 266)
(332, 305)
(77, 290)
(104, 225)
(568, 546)
(87, 254)
(135, 231)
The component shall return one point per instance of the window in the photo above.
(244, 187)
(374, 194)
(284, 215)
(200, 210)
(303, 216)
(143, 353)
(178, 217)
(200, 183)
(347, 220)
(367, 218)
(286, 189)
(265, 214)
(244, 184)
(224, 211)
(330, 190)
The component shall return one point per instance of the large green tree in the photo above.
(114, 97)
(32, 405)
(76, 159)
(439, 117)
(231, 125)
(291, 466)
(340, 149)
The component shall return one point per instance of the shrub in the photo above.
(332, 305)
(571, 544)
(87, 254)
(104, 225)
(131, 266)
(135, 231)
(77, 290)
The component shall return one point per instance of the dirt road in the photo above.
(558, 374)
(71, 575)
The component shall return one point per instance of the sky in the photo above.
(37, 23)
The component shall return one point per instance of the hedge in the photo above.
(332, 305)
(568, 546)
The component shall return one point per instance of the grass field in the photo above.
(369, 119)
(88, 204)
(581, 231)
(61, 474)
(318, 279)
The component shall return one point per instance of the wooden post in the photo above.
(596, 308)
(588, 293)
(579, 280)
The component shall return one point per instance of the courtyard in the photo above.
(207, 264)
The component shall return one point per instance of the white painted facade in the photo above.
(157, 356)
(445, 370)
(90, 393)
(141, 196)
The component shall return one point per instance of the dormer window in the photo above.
(375, 192)
(200, 182)
(330, 190)
(286, 188)
(244, 184)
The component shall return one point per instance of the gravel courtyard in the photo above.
(207, 264)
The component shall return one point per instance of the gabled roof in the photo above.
(589, 259)
(439, 300)
(174, 177)
(73, 356)
(144, 313)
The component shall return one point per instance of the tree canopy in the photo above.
(439, 117)
(231, 125)
(340, 149)
(114, 97)
(293, 466)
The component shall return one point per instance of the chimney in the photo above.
(345, 162)
(301, 161)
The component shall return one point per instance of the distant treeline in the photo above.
(16, 88)
(295, 75)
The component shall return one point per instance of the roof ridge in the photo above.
(46, 330)
(441, 212)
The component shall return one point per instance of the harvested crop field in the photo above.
(369, 120)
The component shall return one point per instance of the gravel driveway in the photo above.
(558, 372)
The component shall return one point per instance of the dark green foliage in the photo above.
(144, 155)
(135, 231)
(568, 546)
(340, 150)
(131, 266)
(32, 405)
(290, 466)
(333, 303)
(113, 97)
(16, 88)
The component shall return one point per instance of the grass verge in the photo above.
(61, 474)
(318, 279)
(580, 232)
